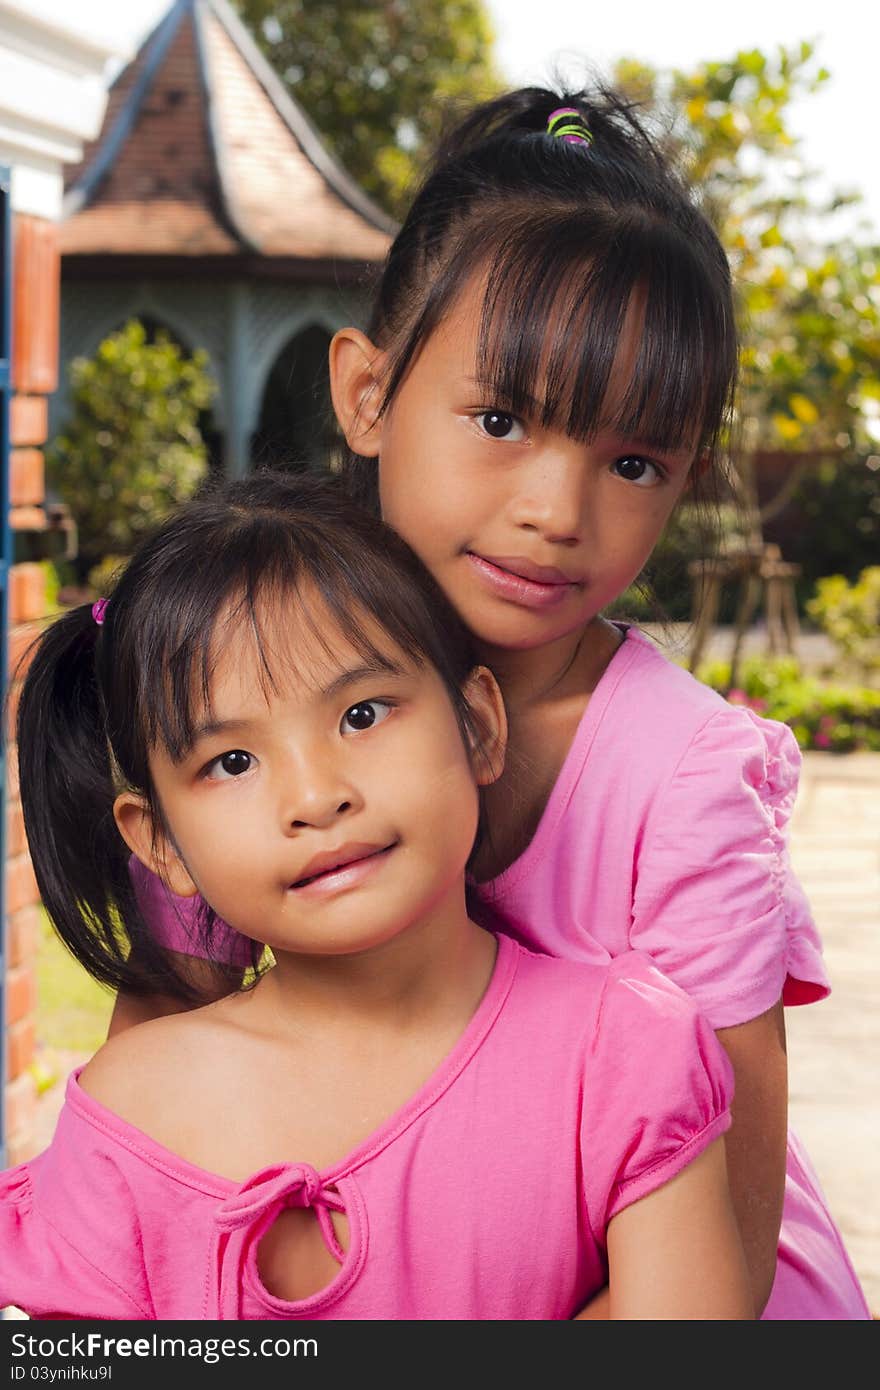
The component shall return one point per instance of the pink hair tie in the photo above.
(99, 608)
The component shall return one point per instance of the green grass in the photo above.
(72, 1010)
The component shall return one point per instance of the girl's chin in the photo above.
(527, 636)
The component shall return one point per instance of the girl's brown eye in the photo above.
(231, 764)
(499, 424)
(360, 716)
(235, 763)
(364, 715)
(634, 469)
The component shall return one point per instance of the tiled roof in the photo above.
(203, 154)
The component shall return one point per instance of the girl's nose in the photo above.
(316, 795)
(552, 499)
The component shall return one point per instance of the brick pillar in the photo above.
(35, 301)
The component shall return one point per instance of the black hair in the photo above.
(569, 238)
(96, 698)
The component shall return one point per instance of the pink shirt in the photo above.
(666, 832)
(574, 1091)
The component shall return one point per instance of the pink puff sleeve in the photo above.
(67, 1246)
(174, 921)
(657, 1090)
(716, 903)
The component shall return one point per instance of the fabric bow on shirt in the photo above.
(245, 1216)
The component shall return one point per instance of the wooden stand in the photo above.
(758, 572)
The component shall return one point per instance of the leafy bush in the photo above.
(830, 717)
(132, 449)
(850, 615)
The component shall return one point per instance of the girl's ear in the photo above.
(150, 844)
(356, 367)
(489, 739)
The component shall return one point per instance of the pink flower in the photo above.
(822, 741)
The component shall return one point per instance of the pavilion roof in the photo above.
(203, 154)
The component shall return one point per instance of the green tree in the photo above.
(376, 76)
(131, 449)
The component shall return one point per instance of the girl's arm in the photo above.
(212, 981)
(755, 1146)
(676, 1253)
(718, 908)
(756, 1142)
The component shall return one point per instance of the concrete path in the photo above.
(834, 1047)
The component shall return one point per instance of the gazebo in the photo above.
(208, 205)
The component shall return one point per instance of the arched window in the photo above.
(296, 428)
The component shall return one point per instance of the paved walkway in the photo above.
(834, 1046)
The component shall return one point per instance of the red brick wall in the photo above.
(36, 281)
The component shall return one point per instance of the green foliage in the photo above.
(850, 615)
(132, 448)
(821, 715)
(375, 76)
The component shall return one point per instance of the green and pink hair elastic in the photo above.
(567, 123)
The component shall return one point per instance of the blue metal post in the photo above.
(5, 563)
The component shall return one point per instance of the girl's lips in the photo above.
(337, 878)
(539, 588)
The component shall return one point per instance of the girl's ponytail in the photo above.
(67, 793)
(620, 134)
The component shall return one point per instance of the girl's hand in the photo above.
(676, 1254)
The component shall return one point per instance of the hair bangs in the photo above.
(201, 607)
(591, 332)
(265, 578)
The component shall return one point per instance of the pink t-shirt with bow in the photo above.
(667, 832)
(574, 1091)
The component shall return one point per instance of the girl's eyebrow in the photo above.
(380, 666)
(210, 727)
(489, 389)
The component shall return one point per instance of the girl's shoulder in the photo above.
(153, 1075)
(640, 670)
(618, 1005)
(650, 719)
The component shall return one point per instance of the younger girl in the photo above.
(280, 711)
(549, 364)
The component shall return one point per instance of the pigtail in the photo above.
(67, 794)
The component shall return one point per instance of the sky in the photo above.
(838, 125)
